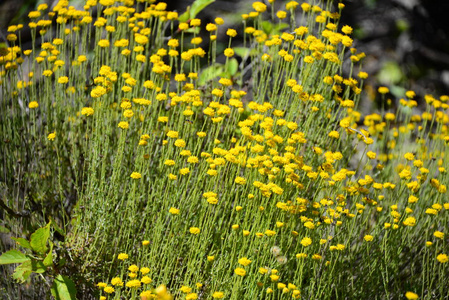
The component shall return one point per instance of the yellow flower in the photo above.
(180, 143)
(194, 230)
(293, 4)
(383, 90)
(185, 289)
(133, 283)
(411, 296)
(192, 296)
(219, 21)
(229, 52)
(409, 156)
(218, 295)
(47, 73)
(184, 171)
(211, 27)
(141, 39)
(103, 43)
(371, 155)
(63, 80)
(195, 22)
(117, 281)
(34, 14)
(240, 180)
(439, 234)
(146, 280)
(281, 14)
(123, 125)
(244, 261)
(87, 111)
(231, 32)
(442, 258)
(136, 175)
(122, 256)
(346, 29)
(259, 7)
(174, 211)
(334, 134)
(33, 104)
(368, 238)
(306, 241)
(51, 136)
(109, 290)
(145, 243)
(240, 271)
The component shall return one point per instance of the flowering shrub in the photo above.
(255, 178)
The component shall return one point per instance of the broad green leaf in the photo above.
(48, 261)
(397, 91)
(232, 66)
(13, 257)
(210, 73)
(267, 27)
(390, 73)
(279, 27)
(38, 266)
(185, 16)
(22, 272)
(63, 288)
(241, 51)
(195, 30)
(198, 6)
(22, 242)
(195, 9)
(38, 240)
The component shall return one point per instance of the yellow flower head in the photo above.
(240, 271)
(51, 136)
(194, 230)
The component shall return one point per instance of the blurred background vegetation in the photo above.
(406, 41)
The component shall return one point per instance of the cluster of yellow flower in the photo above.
(229, 173)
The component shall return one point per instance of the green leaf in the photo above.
(390, 73)
(278, 28)
(38, 266)
(39, 239)
(22, 242)
(56, 227)
(232, 66)
(63, 288)
(397, 91)
(48, 261)
(22, 272)
(185, 16)
(13, 257)
(195, 30)
(267, 27)
(198, 6)
(241, 51)
(3, 229)
(210, 73)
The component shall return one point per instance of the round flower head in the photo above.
(33, 104)
(194, 230)
(231, 32)
(122, 256)
(51, 136)
(240, 271)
